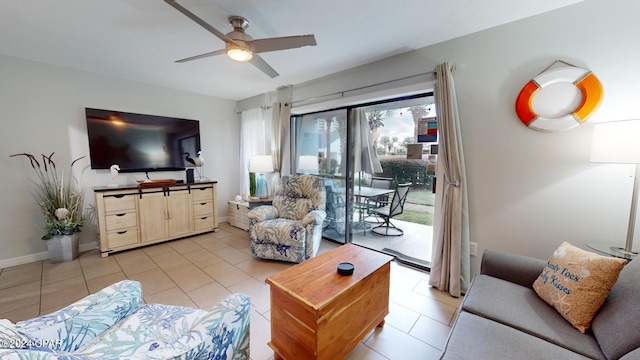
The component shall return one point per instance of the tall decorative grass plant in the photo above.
(58, 195)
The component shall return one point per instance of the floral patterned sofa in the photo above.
(114, 324)
(291, 228)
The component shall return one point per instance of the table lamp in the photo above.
(260, 165)
(619, 142)
(308, 164)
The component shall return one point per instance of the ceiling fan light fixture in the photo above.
(239, 54)
(240, 46)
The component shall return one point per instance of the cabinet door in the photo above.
(180, 214)
(153, 217)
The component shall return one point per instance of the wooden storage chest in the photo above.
(318, 314)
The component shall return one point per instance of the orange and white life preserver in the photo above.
(584, 80)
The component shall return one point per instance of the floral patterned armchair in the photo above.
(113, 324)
(291, 228)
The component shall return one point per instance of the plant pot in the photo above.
(63, 248)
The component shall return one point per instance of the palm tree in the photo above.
(417, 112)
(342, 130)
(375, 119)
(386, 142)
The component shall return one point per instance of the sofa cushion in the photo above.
(297, 195)
(156, 331)
(475, 338)
(11, 337)
(619, 314)
(576, 283)
(279, 239)
(519, 307)
(633, 355)
(70, 327)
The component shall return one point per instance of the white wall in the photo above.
(529, 191)
(43, 111)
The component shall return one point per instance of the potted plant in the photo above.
(61, 201)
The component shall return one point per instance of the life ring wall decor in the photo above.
(588, 84)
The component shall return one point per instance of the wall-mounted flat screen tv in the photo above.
(137, 142)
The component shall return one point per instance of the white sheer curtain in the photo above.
(281, 113)
(450, 262)
(252, 142)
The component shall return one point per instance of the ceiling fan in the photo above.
(240, 46)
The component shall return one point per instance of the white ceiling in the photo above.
(139, 40)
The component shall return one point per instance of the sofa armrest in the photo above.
(86, 318)
(262, 213)
(158, 331)
(314, 217)
(518, 269)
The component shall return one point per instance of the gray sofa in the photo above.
(501, 317)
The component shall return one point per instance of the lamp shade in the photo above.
(616, 142)
(239, 54)
(308, 164)
(260, 164)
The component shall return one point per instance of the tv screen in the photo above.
(137, 142)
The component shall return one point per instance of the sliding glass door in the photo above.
(358, 149)
(320, 148)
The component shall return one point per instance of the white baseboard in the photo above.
(21, 260)
(88, 246)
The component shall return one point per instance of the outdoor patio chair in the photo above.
(336, 217)
(378, 201)
(394, 208)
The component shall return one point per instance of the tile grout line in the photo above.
(40, 289)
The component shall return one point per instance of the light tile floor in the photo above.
(201, 270)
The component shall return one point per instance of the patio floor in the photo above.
(413, 247)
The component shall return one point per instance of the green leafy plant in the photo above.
(59, 197)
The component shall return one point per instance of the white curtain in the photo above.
(450, 268)
(365, 157)
(280, 115)
(252, 142)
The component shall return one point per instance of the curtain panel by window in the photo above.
(450, 262)
(252, 142)
(281, 113)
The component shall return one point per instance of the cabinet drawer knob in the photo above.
(123, 214)
(122, 232)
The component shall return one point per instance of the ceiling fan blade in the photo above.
(281, 43)
(258, 62)
(200, 22)
(202, 56)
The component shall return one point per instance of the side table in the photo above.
(237, 211)
(608, 249)
(258, 202)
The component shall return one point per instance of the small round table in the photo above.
(609, 249)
